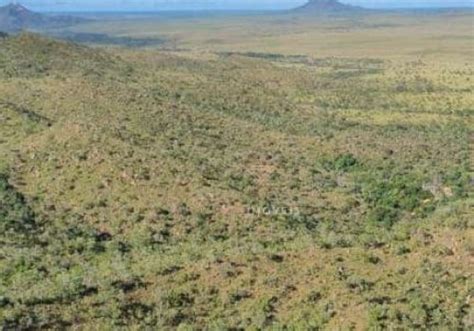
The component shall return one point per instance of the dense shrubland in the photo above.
(140, 188)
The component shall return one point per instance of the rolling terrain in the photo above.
(296, 183)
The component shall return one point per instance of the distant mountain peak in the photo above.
(15, 17)
(326, 6)
(15, 7)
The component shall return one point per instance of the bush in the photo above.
(389, 198)
(15, 215)
(342, 163)
(345, 162)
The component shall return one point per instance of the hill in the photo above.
(31, 55)
(327, 6)
(144, 189)
(16, 17)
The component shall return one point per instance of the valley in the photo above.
(270, 171)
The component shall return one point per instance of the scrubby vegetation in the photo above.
(148, 189)
(104, 39)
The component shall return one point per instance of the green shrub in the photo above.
(15, 215)
(345, 162)
(388, 199)
(342, 163)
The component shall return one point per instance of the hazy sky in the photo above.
(67, 5)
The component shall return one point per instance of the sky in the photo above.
(155, 5)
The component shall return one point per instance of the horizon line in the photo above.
(54, 9)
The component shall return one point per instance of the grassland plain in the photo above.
(239, 187)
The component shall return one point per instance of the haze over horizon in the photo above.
(156, 5)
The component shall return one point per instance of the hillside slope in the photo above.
(143, 189)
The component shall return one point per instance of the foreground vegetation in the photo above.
(233, 190)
